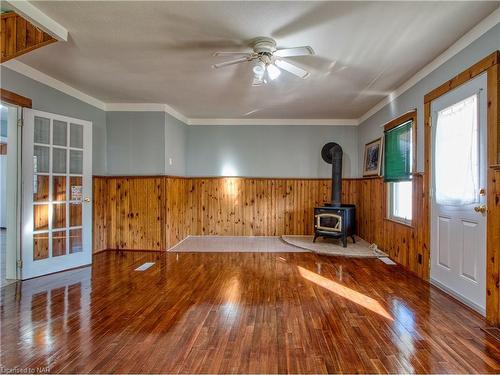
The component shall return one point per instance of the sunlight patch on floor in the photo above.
(345, 292)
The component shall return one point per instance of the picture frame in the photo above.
(372, 161)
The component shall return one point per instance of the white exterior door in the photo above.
(57, 193)
(458, 193)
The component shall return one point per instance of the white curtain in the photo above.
(456, 157)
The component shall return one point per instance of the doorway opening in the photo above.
(9, 192)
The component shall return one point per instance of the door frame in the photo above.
(491, 66)
(13, 257)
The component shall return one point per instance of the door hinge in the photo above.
(20, 123)
(430, 121)
(19, 264)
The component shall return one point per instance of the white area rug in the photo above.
(242, 244)
(330, 246)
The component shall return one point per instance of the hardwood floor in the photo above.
(239, 312)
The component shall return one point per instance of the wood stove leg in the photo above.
(344, 241)
(353, 240)
(315, 236)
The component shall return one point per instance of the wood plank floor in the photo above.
(239, 312)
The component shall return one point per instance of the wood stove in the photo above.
(335, 219)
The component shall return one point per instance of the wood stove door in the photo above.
(329, 222)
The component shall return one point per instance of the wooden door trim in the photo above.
(15, 99)
(489, 65)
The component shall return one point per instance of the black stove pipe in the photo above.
(332, 154)
(336, 151)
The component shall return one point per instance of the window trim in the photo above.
(408, 116)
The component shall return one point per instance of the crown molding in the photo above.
(146, 107)
(34, 15)
(272, 121)
(38, 76)
(473, 34)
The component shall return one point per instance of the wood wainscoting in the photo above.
(155, 213)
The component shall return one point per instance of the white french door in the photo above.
(458, 195)
(57, 193)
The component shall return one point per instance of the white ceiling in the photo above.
(161, 52)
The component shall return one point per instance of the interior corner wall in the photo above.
(175, 146)
(268, 150)
(47, 99)
(372, 128)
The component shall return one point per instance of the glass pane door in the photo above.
(58, 195)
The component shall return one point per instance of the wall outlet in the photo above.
(170, 161)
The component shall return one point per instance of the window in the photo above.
(456, 161)
(400, 201)
(399, 146)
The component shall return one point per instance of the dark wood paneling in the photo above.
(19, 36)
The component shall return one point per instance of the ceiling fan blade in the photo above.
(291, 68)
(297, 51)
(231, 62)
(224, 53)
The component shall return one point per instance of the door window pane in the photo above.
(59, 162)
(40, 188)
(75, 241)
(59, 188)
(75, 214)
(75, 162)
(58, 216)
(456, 160)
(59, 137)
(58, 243)
(76, 136)
(41, 159)
(41, 217)
(76, 188)
(40, 246)
(42, 130)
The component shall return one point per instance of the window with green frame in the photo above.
(398, 151)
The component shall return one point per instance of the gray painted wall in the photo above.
(142, 143)
(267, 151)
(414, 97)
(136, 143)
(51, 100)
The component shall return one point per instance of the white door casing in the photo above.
(56, 193)
(458, 231)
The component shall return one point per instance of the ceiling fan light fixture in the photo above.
(273, 72)
(259, 68)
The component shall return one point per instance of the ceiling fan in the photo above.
(268, 61)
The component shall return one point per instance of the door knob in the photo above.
(481, 209)
(87, 199)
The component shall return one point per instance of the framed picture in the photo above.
(373, 158)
